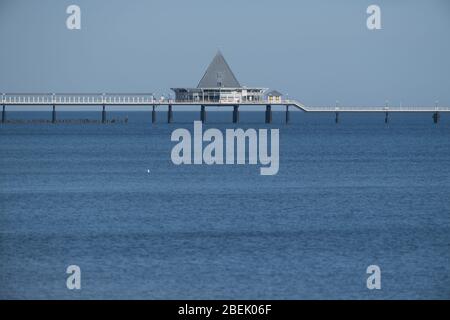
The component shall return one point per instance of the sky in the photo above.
(316, 51)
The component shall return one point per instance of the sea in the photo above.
(108, 198)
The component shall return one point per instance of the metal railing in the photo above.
(130, 99)
(77, 99)
(377, 109)
(116, 99)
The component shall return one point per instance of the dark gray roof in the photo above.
(274, 93)
(219, 75)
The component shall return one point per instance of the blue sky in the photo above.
(317, 51)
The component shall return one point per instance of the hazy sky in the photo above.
(317, 51)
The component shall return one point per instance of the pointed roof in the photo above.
(219, 75)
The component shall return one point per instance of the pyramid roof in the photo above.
(219, 75)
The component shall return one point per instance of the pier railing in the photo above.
(377, 108)
(117, 99)
(77, 99)
(147, 99)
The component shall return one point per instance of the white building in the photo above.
(219, 85)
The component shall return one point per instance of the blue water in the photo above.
(347, 196)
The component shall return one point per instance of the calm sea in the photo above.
(108, 199)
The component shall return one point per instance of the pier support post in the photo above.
(54, 114)
(170, 114)
(3, 114)
(235, 114)
(203, 114)
(287, 114)
(436, 117)
(386, 117)
(337, 117)
(153, 114)
(103, 114)
(268, 113)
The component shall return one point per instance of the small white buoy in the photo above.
(148, 170)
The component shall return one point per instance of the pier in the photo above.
(217, 88)
(102, 101)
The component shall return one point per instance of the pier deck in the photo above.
(117, 99)
(138, 99)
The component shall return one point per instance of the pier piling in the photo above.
(287, 114)
(103, 114)
(203, 114)
(169, 114)
(436, 117)
(235, 114)
(3, 114)
(153, 114)
(268, 113)
(54, 114)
